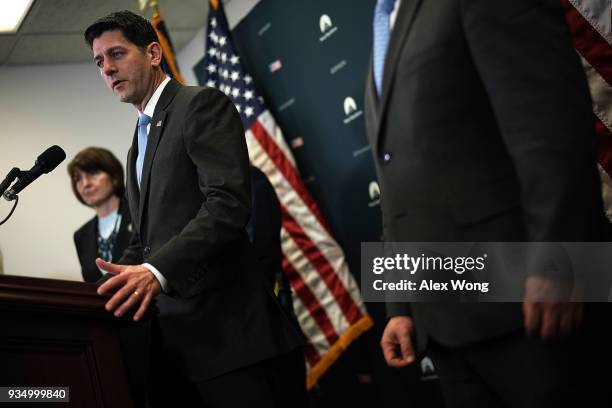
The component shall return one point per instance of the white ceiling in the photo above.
(52, 32)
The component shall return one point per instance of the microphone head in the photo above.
(50, 158)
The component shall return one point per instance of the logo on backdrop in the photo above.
(327, 27)
(374, 193)
(350, 110)
(428, 371)
(350, 106)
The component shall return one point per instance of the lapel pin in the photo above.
(129, 227)
(158, 124)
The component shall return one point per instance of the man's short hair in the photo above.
(136, 29)
(92, 160)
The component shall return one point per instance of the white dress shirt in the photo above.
(393, 14)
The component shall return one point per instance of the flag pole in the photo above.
(164, 40)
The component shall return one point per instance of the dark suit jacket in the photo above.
(483, 132)
(86, 242)
(189, 216)
(264, 226)
(264, 229)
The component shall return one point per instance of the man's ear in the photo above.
(154, 50)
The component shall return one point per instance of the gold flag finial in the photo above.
(214, 4)
(144, 4)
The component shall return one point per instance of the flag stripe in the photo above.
(267, 121)
(351, 312)
(313, 253)
(287, 169)
(311, 302)
(312, 356)
(292, 204)
(309, 327)
(597, 13)
(606, 187)
(590, 23)
(312, 276)
(604, 145)
(589, 42)
(313, 280)
(324, 243)
(324, 332)
(601, 93)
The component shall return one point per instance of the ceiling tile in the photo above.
(184, 14)
(49, 49)
(70, 16)
(52, 32)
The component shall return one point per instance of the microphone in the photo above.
(45, 163)
(10, 177)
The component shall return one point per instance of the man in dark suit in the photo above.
(481, 128)
(223, 337)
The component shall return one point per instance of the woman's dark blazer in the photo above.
(86, 242)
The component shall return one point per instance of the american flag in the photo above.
(590, 23)
(326, 297)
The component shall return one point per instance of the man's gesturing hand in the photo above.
(396, 342)
(132, 285)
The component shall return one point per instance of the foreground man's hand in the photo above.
(553, 318)
(132, 285)
(396, 342)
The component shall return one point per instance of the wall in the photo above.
(67, 105)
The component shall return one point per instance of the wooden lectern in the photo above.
(57, 333)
